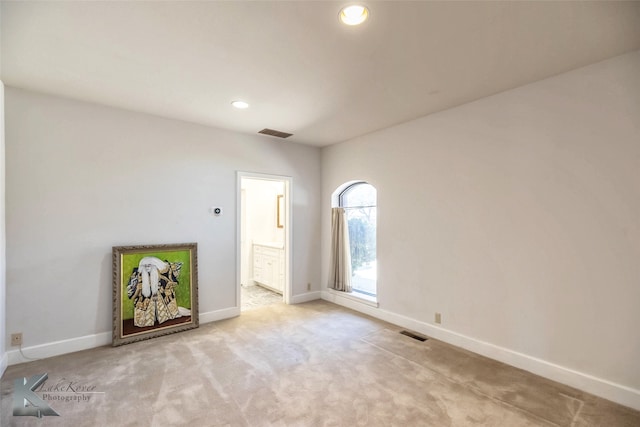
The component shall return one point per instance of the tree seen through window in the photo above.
(359, 203)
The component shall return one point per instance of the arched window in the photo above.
(359, 202)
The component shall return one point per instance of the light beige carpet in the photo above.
(314, 364)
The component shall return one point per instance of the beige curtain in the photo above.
(340, 274)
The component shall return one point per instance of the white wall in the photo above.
(518, 218)
(3, 330)
(82, 178)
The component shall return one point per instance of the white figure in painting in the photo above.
(149, 269)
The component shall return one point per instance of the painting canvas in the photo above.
(155, 291)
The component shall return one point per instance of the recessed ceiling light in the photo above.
(240, 104)
(354, 14)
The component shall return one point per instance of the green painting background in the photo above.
(183, 290)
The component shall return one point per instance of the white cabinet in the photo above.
(268, 266)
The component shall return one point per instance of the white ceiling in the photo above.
(299, 68)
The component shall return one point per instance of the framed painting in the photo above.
(155, 291)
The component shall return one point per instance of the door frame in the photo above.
(288, 185)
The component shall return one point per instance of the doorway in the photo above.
(264, 240)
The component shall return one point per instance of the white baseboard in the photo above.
(214, 316)
(4, 362)
(306, 297)
(57, 348)
(618, 393)
(331, 295)
(71, 345)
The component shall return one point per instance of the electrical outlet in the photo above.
(16, 339)
(438, 318)
(308, 286)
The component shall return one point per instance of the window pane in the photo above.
(362, 239)
(359, 202)
(358, 195)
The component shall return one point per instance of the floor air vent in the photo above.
(414, 336)
(277, 133)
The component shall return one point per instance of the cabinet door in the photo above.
(269, 270)
(258, 265)
(268, 267)
(281, 265)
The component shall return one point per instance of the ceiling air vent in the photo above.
(276, 133)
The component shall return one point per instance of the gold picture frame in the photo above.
(155, 291)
